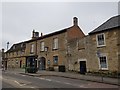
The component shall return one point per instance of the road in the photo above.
(16, 80)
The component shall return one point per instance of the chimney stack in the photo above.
(41, 34)
(75, 21)
(35, 34)
(3, 53)
(3, 50)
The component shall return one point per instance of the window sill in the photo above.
(31, 52)
(54, 49)
(103, 69)
(42, 51)
(99, 46)
(55, 64)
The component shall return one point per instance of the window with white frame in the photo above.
(101, 39)
(32, 48)
(103, 62)
(42, 46)
(55, 43)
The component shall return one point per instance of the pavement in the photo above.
(72, 75)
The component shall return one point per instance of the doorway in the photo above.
(20, 63)
(42, 63)
(31, 61)
(83, 67)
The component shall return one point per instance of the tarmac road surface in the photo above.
(15, 80)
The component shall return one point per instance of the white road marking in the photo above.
(32, 87)
(23, 75)
(67, 83)
(18, 83)
(42, 78)
(82, 86)
(45, 79)
(57, 81)
(48, 79)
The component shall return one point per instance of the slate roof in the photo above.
(17, 47)
(49, 35)
(113, 22)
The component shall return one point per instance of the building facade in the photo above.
(46, 50)
(97, 51)
(50, 50)
(15, 57)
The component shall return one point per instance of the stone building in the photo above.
(15, 57)
(1, 62)
(45, 51)
(51, 50)
(104, 46)
(100, 50)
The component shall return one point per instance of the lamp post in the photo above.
(99, 55)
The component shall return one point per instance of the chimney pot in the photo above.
(41, 34)
(75, 21)
(3, 50)
(33, 35)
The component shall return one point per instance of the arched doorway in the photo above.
(42, 63)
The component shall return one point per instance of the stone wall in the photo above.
(111, 50)
(60, 52)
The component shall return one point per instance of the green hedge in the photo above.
(31, 69)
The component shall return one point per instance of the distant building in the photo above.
(15, 56)
(0, 58)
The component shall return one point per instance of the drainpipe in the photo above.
(36, 53)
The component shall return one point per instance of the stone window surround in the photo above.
(42, 46)
(103, 55)
(55, 63)
(97, 40)
(32, 48)
(55, 43)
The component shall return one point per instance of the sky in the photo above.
(18, 19)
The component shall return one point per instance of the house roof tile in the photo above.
(113, 22)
